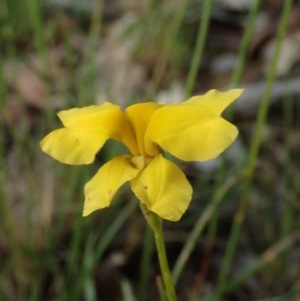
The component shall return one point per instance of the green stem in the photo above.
(155, 224)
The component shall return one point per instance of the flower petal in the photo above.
(72, 147)
(86, 130)
(139, 115)
(193, 130)
(101, 189)
(217, 101)
(92, 118)
(163, 188)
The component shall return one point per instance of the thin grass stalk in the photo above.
(127, 291)
(206, 259)
(90, 291)
(100, 248)
(145, 265)
(34, 8)
(245, 44)
(166, 48)
(87, 89)
(199, 227)
(78, 284)
(4, 207)
(76, 242)
(88, 283)
(12, 11)
(288, 216)
(35, 295)
(78, 235)
(253, 154)
(263, 109)
(269, 256)
(35, 13)
(200, 43)
(24, 149)
(114, 228)
(96, 22)
(6, 216)
(68, 201)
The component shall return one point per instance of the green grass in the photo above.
(241, 234)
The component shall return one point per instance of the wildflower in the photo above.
(191, 131)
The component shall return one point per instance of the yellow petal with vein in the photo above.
(163, 188)
(101, 189)
(193, 130)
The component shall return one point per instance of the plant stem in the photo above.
(155, 224)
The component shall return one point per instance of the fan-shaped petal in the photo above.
(163, 188)
(72, 147)
(193, 130)
(101, 189)
(86, 130)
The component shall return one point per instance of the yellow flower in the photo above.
(191, 131)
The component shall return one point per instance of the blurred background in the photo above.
(240, 238)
